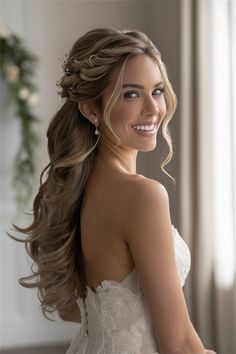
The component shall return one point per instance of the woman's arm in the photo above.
(73, 315)
(148, 233)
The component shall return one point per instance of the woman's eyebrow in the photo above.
(141, 86)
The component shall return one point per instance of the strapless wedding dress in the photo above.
(115, 318)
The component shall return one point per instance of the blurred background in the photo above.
(197, 41)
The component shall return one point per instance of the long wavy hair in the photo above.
(53, 239)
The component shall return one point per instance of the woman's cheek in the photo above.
(123, 115)
(163, 111)
(164, 106)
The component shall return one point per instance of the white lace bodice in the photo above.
(116, 319)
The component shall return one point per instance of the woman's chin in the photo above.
(148, 147)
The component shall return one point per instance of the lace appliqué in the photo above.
(182, 256)
(115, 319)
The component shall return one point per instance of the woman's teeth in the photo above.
(144, 127)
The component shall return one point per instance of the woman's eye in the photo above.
(130, 94)
(159, 91)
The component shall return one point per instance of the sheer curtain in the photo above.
(208, 167)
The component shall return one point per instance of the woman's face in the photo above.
(139, 111)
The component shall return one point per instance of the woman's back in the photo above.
(102, 218)
(115, 314)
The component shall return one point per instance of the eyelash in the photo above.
(161, 89)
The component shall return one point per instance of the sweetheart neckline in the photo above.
(99, 286)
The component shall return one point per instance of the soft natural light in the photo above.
(223, 148)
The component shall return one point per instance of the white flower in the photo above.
(24, 93)
(24, 155)
(33, 99)
(4, 33)
(12, 72)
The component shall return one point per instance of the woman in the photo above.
(106, 252)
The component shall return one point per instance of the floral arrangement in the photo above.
(16, 71)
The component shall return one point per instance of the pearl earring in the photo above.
(96, 131)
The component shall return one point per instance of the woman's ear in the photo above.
(89, 110)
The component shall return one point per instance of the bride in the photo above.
(106, 252)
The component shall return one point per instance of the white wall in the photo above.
(49, 28)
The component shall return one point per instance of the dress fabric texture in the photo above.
(115, 318)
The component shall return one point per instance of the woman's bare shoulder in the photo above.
(138, 189)
(137, 195)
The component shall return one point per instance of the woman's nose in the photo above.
(150, 107)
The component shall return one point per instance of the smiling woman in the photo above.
(138, 112)
(106, 252)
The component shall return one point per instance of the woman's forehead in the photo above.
(141, 68)
(138, 68)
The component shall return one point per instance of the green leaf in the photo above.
(13, 52)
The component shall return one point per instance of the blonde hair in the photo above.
(53, 240)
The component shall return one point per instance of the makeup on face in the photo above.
(140, 109)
